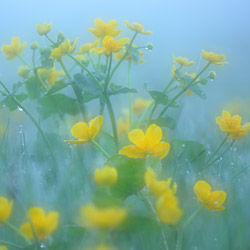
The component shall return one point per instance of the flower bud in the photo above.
(212, 75)
(34, 45)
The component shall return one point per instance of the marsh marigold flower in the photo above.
(43, 29)
(5, 209)
(211, 200)
(3, 248)
(159, 188)
(84, 133)
(139, 105)
(87, 47)
(108, 217)
(182, 61)
(44, 225)
(146, 144)
(14, 49)
(105, 176)
(137, 27)
(80, 58)
(23, 71)
(123, 126)
(51, 75)
(213, 58)
(105, 29)
(99, 247)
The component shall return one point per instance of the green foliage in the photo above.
(117, 89)
(59, 85)
(10, 103)
(46, 62)
(33, 87)
(166, 121)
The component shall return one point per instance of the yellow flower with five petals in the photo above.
(43, 29)
(182, 61)
(137, 27)
(213, 58)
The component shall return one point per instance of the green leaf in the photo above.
(116, 90)
(166, 121)
(61, 84)
(159, 97)
(203, 81)
(198, 91)
(46, 62)
(33, 87)
(10, 103)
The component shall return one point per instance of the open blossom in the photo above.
(44, 225)
(105, 29)
(87, 47)
(105, 176)
(146, 144)
(50, 75)
(14, 49)
(182, 61)
(211, 200)
(84, 133)
(23, 71)
(43, 29)
(213, 58)
(5, 209)
(137, 27)
(139, 105)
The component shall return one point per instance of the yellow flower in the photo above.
(14, 49)
(105, 29)
(3, 248)
(86, 47)
(85, 133)
(241, 132)
(173, 69)
(212, 200)
(99, 247)
(137, 27)
(109, 217)
(50, 74)
(43, 29)
(23, 71)
(43, 225)
(183, 61)
(159, 188)
(123, 126)
(167, 209)
(213, 58)
(189, 92)
(80, 58)
(63, 48)
(5, 209)
(109, 45)
(139, 105)
(106, 176)
(146, 144)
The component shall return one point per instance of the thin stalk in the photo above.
(179, 238)
(99, 57)
(151, 114)
(129, 94)
(107, 80)
(50, 39)
(193, 215)
(182, 91)
(7, 243)
(100, 148)
(91, 59)
(106, 65)
(23, 60)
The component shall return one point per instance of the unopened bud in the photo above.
(34, 45)
(212, 75)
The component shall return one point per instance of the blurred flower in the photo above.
(5, 208)
(105, 29)
(43, 29)
(139, 105)
(43, 225)
(80, 58)
(159, 188)
(63, 48)
(183, 61)
(109, 45)
(99, 247)
(211, 200)
(3, 248)
(123, 126)
(106, 176)
(212, 75)
(51, 75)
(173, 69)
(167, 209)
(137, 27)
(14, 49)
(213, 58)
(94, 217)
(86, 47)
(23, 71)
(146, 144)
(34, 45)
(84, 133)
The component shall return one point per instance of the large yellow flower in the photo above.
(50, 75)
(105, 29)
(43, 225)
(106, 176)
(228, 123)
(5, 209)
(182, 61)
(108, 217)
(139, 105)
(14, 49)
(137, 27)
(43, 29)
(243, 131)
(146, 144)
(211, 200)
(123, 126)
(85, 133)
(213, 58)
(87, 47)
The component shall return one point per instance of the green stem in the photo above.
(151, 114)
(179, 239)
(64, 68)
(17, 231)
(7, 243)
(106, 65)
(182, 91)
(140, 198)
(23, 60)
(129, 94)
(107, 80)
(50, 39)
(99, 57)
(100, 149)
(91, 59)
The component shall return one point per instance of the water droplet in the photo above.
(216, 203)
(232, 163)
(221, 158)
(42, 245)
(183, 145)
(188, 171)
(215, 239)
(208, 152)
(19, 108)
(211, 80)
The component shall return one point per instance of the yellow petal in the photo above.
(26, 229)
(95, 125)
(36, 212)
(52, 221)
(153, 136)
(137, 137)
(160, 150)
(216, 199)
(80, 131)
(203, 190)
(132, 152)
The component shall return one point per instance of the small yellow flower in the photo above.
(110, 45)
(63, 48)
(23, 71)
(43, 225)
(99, 247)
(34, 45)
(139, 105)
(109, 217)
(167, 209)
(5, 209)
(173, 69)
(106, 176)
(87, 47)
(137, 27)
(211, 200)
(80, 58)
(51, 75)
(159, 188)
(213, 58)
(14, 49)
(146, 144)
(183, 61)
(84, 133)
(43, 29)
(3, 248)
(105, 29)
(123, 126)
